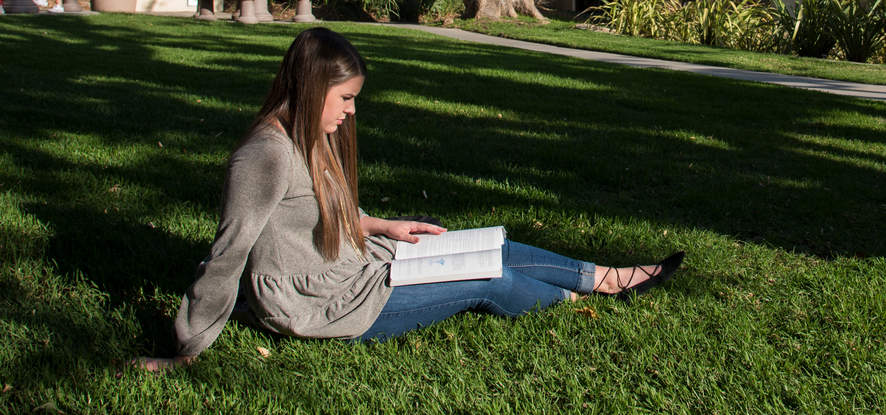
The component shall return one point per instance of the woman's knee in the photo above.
(517, 293)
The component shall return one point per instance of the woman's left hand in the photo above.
(159, 364)
(398, 229)
(405, 230)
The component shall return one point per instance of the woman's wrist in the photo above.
(372, 225)
(185, 360)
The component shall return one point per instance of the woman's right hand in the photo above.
(157, 364)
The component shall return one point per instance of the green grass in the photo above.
(564, 33)
(115, 129)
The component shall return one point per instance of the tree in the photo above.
(495, 9)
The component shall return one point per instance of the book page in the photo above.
(467, 265)
(452, 242)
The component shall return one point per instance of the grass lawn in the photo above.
(564, 33)
(115, 129)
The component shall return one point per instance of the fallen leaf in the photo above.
(552, 333)
(588, 311)
(6, 388)
(263, 352)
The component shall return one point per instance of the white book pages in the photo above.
(452, 242)
(455, 267)
(450, 256)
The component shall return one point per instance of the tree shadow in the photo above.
(736, 161)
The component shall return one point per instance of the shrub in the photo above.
(809, 28)
(430, 10)
(707, 20)
(750, 27)
(442, 9)
(858, 26)
(381, 9)
(804, 27)
(634, 17)
(710, 22)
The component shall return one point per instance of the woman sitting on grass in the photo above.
(294, 243)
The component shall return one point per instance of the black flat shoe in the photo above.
(662, 272)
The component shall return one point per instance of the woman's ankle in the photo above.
(614, 280)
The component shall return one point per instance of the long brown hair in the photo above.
(317, 60)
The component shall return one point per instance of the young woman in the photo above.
(293, 241)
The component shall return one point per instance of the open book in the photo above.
(451, 256)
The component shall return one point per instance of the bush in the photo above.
(808, 28)
(710, 22)
(385, 10)
(634, 17)
(707, 21)
(751, 27)
(429, 10)
(804, 27)
(858, 26)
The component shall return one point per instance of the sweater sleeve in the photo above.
(257, 180)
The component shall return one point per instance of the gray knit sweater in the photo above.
(264, 244)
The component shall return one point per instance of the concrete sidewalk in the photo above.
(876, 92)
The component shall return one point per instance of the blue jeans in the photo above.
(532, 277)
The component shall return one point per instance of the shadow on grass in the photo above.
(755, 162)
(723, 155)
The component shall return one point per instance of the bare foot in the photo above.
(615, 280)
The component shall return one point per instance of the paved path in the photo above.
(877, 92)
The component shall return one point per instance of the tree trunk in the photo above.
(495, 9)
